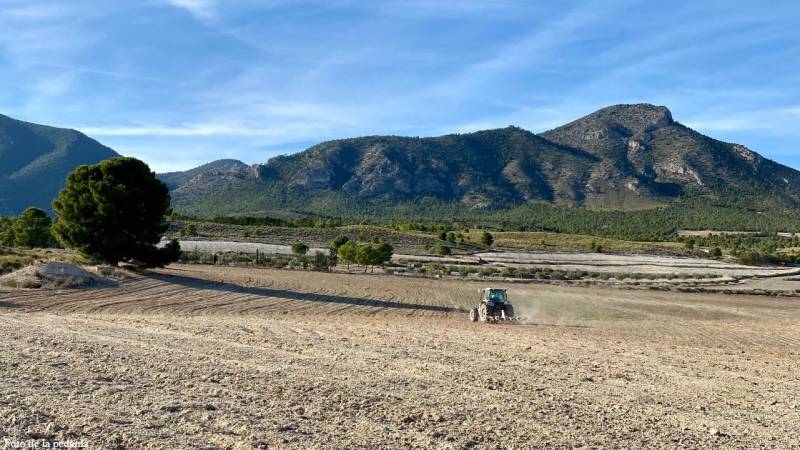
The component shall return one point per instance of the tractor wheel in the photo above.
(483, 313)
(509, 312)
(473, 315)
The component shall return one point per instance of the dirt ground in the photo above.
(215, 357)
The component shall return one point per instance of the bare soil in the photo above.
(216, 357)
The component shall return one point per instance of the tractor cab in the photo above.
(494, 295)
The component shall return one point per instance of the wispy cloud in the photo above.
(25, 11)
(202, 9)
(248, 78)
(779, 120)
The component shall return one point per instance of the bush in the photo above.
(299, 249)
(509, 272)
(189, 230)
(322, 262)
(442, 250)
(487, 239)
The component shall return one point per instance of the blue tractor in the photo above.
(494, 306)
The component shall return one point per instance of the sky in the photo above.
(179, 83)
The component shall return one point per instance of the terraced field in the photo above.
(224, 357)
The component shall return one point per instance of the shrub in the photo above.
(322, 262)
(299, 249)
(509, 272)
(189, 230)
(443, 250)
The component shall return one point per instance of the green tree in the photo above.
(299, 249)
(443, 236)
(32, 229)
(487, 239)
(339, 241)
(367, 255)
(384, 252)
(6, 231)
(715, 252)
(114, 211)
(333, 249)
(348, 252)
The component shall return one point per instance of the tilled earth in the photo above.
(210, 357)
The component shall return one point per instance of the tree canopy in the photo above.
(32, 229)
(114, 211)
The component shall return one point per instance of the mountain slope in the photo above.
(36, 159)
(624, 157)
(642, 144)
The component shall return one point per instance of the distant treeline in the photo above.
(300, 222)
(658, 224)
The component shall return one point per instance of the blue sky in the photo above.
(183, 82)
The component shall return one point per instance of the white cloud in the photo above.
(30, 12)
(776, 121)
(202, 9)
(299, 129)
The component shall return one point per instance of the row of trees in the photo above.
(348, 252)
(368, 255)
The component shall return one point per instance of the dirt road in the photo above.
(239, 358)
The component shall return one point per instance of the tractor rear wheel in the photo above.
(509, 312)
(483, 313)
(473, 315)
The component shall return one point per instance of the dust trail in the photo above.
(531, 308)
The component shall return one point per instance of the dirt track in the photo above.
(238, 358)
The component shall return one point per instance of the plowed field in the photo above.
(216, 357)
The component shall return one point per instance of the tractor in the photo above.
(494, 306)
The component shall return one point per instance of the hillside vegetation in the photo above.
(36, 159)
(626, 171)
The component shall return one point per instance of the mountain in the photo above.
(36, 159)
(645, 153)
(623, 157)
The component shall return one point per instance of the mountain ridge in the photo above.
(36, 159)
(619, 158)
(622, 157)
